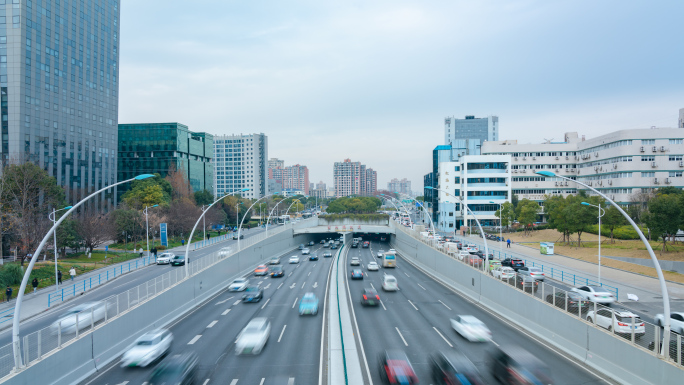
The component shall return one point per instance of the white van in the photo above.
(389, 283)
(471, 248)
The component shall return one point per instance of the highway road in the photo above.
(293, 350)
(415, 319)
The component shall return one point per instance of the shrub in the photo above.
(623, 232)
(11, 274)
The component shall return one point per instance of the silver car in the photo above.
(253, 337)
(224, 251)
(80, 316)
(306, 251)
(165, 258)
(148, 348)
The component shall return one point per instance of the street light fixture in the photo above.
(147, 229)
(656, 264)
(16, 343)
(243, 217)
(602, 212)
(52, 216)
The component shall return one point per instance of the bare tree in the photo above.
(179, 183)
(94, 229)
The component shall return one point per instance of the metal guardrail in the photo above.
(611, 319)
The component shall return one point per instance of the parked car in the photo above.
(526, 283)
(294, 259)
(308, 304)
(357, 274)
(277, 271)
(165, 258)
(513, 263)
(178, 260)
(177, 369)
(493, 264)
(676, 321)
(474, 260)
(370, 297)
(514, 365)
(239, 284)
(622, 322)
(261, 270)
(253, 337)
(452, 368)
(84, 315)
(575, 301)
(148, 348)
(595, 294)
(503, 272)
(389, 283)
(533, 272)
(471, 328)
(395, 368)
(253, 294)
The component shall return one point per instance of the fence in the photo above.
(72, 326)
(611, 319)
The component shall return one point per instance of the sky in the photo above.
(373, 80)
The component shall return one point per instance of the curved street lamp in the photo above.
(661, 278)
(16, 346)
(404, 206)
(500, 227)
(602, 212)
(268, 220)
(52, 216)
(434, 230)
(246, 213)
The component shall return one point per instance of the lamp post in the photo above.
(204, 225)
(434, 230)
(268, 220)
(16, 346)
(243, 217)
(656, 264)
(236, 214)
(398, 210)
(147, 229)
(500, 227)
(52, 216)
(602, 212)
(293, 202)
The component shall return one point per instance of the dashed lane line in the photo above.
(192, 341)
(421, 286)
(211, 325)
(236, 302)
(303, 284)
(226, 312)
(281, 333)
(281, 284)
(295, 302)
(414, 306)
(265, 303)
(206, 382)
(402, 337)
(234, 382)
(383, 305)
(440, 301)
(407, 275)
(445, 340)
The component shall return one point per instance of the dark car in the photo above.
(370, 297)
(252, 294)
(366, 245)
(357, 274)
(313, 257)
(334, 246)
(277, 271)
(355, 245)
(177, 369)
(326, 245)
(513, 263)
(327, 254)
(178, 260)
(452, 367)
(395, 368)
(525, 282)
(575, 301)
(514, 365)
(235, 236)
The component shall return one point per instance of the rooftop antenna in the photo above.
(548, 141)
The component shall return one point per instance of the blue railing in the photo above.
(69, 291)
(211, 241)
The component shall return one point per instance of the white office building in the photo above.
(240, 161)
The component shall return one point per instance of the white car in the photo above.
(294, 259)
(306, 251)
(239, 284)
(619, 321)
(471, 328)
(274, 261)
(380, 252)
(253, 337)
(84, 314)
(373, 266)
(148, 348)
(595, 294)
(389, 283)
(225, 251)
(355, 261)
(503, 272)
(165, 258)
(676, 322)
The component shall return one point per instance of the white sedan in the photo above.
(503, 272)
(148, 348)
(253, 337)
(471, 328)
(355, 261)
(676, 321)
(380, 253)
(239, 284)
(165, 258)
(294, 259)
(595, 294)
(80, 316)
(306, 251)
(373, 266)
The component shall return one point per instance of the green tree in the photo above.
(613, 219)
(67, 235)
(514, 201)
(527, 213)
(148, 192)
(664, 216)
(554, 207)
(128, 223)
(204, 197)
(580, 216)
(506, 214)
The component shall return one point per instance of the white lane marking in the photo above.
(281, 333)
(267, 286)
(236, 302)
(494, 343)
(211, 325)
(224, 301)
(315, 285)
(290, 381)
(295, 302)
(383, 305)
(407, 274)
(206, 382)
(303, 284)
(308, 274)
(192, 341)
(440, 301)
(226, 312)
(314, 265)
(234, 382)
(262, 381)
(279, 286)
(123, 383)
(421, 286)
(445, 340)
(372, 286)
(402, 337)
(289, 274)
(265, 303)
(293, 285)
(414, 306)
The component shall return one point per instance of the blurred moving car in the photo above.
(595, 294)
(148, 348)
(366, 245)
(261, 270)
(277, 271)
(165, 258)
(235, 236)
(326, 245)
(294, 259)
(356, 274)
(355, 245)
(238, 284)
(471, 328)
(389, 283)
(380, 252)
(177, 369)
(676, 321)
(253, 294)
(372, 266)
(178, 260)
(370, 297)
(533, 272)
(395, 368)
(622, 322)
(503, 272)
(253, 337)
(322, 241)
(311, 243)
(274, 261)
(313, 257)
(575, 301)
(308, 304)
(306, 251)
(225, 251)
(513, 263)
(84, 314)
(355, 261)
(301, 246)
(452, 368)
(515, 365)
(334, 246)
(327, 254)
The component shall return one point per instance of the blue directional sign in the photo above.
(162, 232)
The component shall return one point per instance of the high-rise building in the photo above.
(403, 186)
(148, 148)
(59, 86)
(681, 118)
(353, 178)
(321, 185)
(293, 178)
(276, 163)
(466, 136)
(240, 161)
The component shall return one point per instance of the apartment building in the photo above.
(354, 178)
(402, 186)
(466, 136)
(681, 118)
(240, 161)
(294, 177)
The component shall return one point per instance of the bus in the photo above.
(281, 220)
(389, 259)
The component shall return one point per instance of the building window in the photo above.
(650, 158)
(675, 174)
(676, 141)
(647, 141)
(648, 174)
(675, 157)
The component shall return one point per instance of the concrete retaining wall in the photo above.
(599, 349)
(80, 358)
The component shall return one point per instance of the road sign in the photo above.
(162, 233)
(106, 248)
